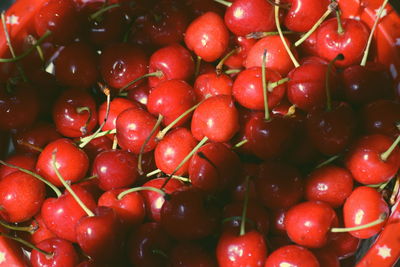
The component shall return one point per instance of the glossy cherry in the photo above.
(303, 14)
(63, 254)
(293, 255)
(25, 161)
(212, 84)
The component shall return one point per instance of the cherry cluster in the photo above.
(197, 133)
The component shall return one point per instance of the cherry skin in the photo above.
(365, 163)
(242, 46)
(25, 161)
(276, 57)
(139, 94)
(303, 14)
(172, 149)
(121, 64)
(363, 206)
(171, 98)
(130, 209)
(63, 213)
(75, 113)
(330, 184)
(63, 254)
(190, 254)
(248, 88)
(133, 128)
(308, 224)
(247, 16)
(279, 185)
(207, 36)
(215, 118)
(277, 222)
(214, 168)
(212, 84)
(96, 146)
(344, 244)
(234, 250)
(21, 197)
(174, 61)
(293, 255)
(72, 162)
(326, 257)
(351, 43)
(41, 233)
(76, 66)
(115, 169)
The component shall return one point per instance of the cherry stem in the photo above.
(197, 67)
(340, 30)
(380, 220)
(291, 111)
(106, 91)
(241, 143)
(328, 161)
(164, 131)
(68, 187)
(10, 47)
(259, 35)
(327, 80)
(332, 7)
(26, 243)
(272, 85)
(97, 135)
(115, 143)
(157, 171)
(278, 26)
(264, 84)
(88, 178)
(220, 65)
(385, 155)
(366, 51)
(284, 6)
(395, 191)
(225, 3)
(245, 204)
(101, 11)
(160, 252)
(237, 218)
(159, 120)
(194, 150)
(28, 51)
(141, 188)
(158, 73)
(30, 229)
(232, 71)
(29, 145)
(80, 110)
(37, 176)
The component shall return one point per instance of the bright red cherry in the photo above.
(303, 14)
(25, 161)
(293, 255)
(212, 84)
(63, 254)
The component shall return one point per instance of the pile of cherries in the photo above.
(197, 133)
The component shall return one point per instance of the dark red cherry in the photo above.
(207, 36)
(344, 244)
(63, 254)
(72, 162)
(326, 257)
(191, 254)
(77, 66)
(292, 254)
(139, 94)
(75, 113)
(303, 14)
(212, 84)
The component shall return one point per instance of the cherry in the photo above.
(242, 46)
(276, 57)
(139, 94)
(130, 209)
(133, 128)
(330, 184)
(243, 17)
(349, 39)
(76, 66)
(214, 168)
(344, 244)
(61, 18)
(212, 84)
(121, 64)
(174, 61)
(75, 113)
(170, 99)
(215, 118)
(21, 197)
(19, 106)
(41, 231)
(326, 257)
(277, 222)
(303, 14)
(72, 162)
(363, 206)
(207, 36)
(190, 254)
(248, 88)
(62, 254)
(293, 255)
(115, 169)
(188, 207)
(96, 146)
(26, 161)
(308, 224)
(369, 162)
(278, 185)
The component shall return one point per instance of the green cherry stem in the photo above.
(385, 155)
(141, 188)
(25, 243)
(220, 65)
(158, 74)
(380, 220)
(272, 85)
(264, 84)
(326, 162)
(99, 134)
(101, 11)
(340, 30)
(30, 229)
(244, 211)
(241, 143)
(259, 35)
(225, 3)
(327, 82)
(197, 67)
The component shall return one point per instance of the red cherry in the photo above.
(25, 161)
(207, 36)
(326, 257)
(330, 184)
(63, 254)
(364, 160)
(277, 222)
(187, 254)
(363, 206)
(292, 254)
(115, 169)
(212, 84)
(72, 162)
(303, 14)
(248, 16)
(308, 224)
(216, 118)
(139, 94)
(42, 232)
(344, 244)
